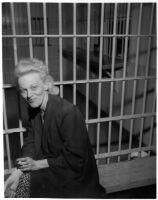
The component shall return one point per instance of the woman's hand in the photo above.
(27, 164)
(12, 182)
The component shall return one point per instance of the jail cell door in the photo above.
(102, 57)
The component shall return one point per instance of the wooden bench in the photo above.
(128, 174)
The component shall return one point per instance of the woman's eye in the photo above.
(34, 87)
(21, 90)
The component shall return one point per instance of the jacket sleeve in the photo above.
(28, 149)
(74, 135)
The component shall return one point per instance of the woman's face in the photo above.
(32, 89)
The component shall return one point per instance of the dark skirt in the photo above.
(40, 184)
(44, 184)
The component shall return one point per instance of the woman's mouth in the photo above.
(31, 101)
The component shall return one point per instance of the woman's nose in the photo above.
(29, 94)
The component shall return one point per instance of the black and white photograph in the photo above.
(79, 99)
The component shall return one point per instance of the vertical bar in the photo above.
(126, 41)
(135, 75)
(6, 128)
(152, 122)
(112, 76)
(124, 27)
(108, 46)
(14, 32)
(45, 33)
(146, 74)
(15, 62)
(20, 121)
(110, 31)
(30, 30)
(114, 40)
(124, 75)
(100, 75)
(60, 48)
(119, 24)
(87, 62)
(74, 53)
(154, 102)
(149, 40)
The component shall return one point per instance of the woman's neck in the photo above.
(44, 102)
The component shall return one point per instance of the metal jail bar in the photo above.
(15, 62)
(45, 32)
(30, 31)
(100, 75)
(112, 76)
(79, 35)
(91, 121)
(146, 81)
(103, 80)
(6, 128)
(152, 122)
(74, 54)
(124, 75)
(60, 49)
(100, 80)
(135, 75)
(87, 62)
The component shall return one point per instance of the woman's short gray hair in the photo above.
(29, 65)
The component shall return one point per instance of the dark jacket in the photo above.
(64, 142)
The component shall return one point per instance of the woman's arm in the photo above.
(75, 140)
(28, 149)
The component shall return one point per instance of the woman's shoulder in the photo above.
(61, 105)
(63, 109)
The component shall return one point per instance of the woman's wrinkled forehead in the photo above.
(42, 75)
(29, 78)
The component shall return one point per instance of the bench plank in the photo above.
(128, 174)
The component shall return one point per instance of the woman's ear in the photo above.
(55, 90)
(46, 85)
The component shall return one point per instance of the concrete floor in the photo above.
(147, 192)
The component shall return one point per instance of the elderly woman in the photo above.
(57, 158)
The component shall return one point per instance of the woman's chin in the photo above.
(34, 105)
